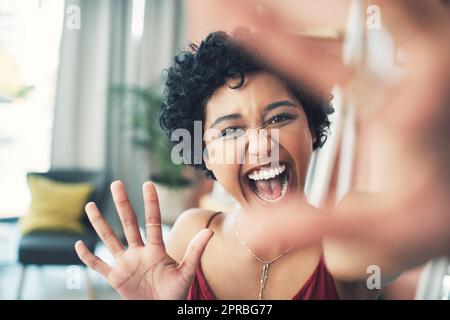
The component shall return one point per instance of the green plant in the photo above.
(146, 106)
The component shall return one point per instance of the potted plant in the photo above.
(173, 183)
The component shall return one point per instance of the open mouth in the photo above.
(270, 184)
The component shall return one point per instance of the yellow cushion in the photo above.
(55, 205)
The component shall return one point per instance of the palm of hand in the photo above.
(143, 271)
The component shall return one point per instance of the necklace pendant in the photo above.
(264, 276)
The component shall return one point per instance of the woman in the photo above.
(229, 255)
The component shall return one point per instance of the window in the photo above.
(30, 34)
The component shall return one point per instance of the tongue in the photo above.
(269, 189)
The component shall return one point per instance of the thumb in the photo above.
(194, 252)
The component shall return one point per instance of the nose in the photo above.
(261, 145)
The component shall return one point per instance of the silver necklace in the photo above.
(266, 263)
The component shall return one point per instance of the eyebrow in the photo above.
(278, 104)
(224, 118)
(267, 108)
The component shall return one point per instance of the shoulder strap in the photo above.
(211, 218)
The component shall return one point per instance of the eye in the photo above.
(231, 132)
(279, 118)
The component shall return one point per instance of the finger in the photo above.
(297, 57)
(404, 237)
(304, 225)
(410, 18)
(193, 254)
(92, 261)
(152, 215)
(103, 230)
(367, 227)
(126, 214)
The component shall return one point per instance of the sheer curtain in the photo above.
(148, 42)
(120, 42)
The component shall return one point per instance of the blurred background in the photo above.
(80, 91)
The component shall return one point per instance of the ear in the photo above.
(206, 160)
(313, 138)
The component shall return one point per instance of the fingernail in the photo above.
(147, 184)
(115, 182)
(89, 205)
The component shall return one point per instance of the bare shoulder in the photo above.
(188, 224)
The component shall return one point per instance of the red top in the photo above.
(319, 286)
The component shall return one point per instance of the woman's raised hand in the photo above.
(143, 270)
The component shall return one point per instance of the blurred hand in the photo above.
(409, 222)
(143, 271)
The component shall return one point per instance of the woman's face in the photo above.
(258, 142)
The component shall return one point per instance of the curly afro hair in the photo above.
(197, 73)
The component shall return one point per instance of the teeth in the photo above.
(267, 173)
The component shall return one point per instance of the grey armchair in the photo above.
(57, 247)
